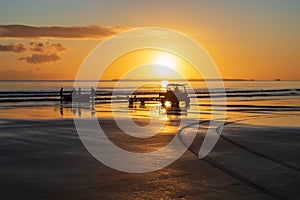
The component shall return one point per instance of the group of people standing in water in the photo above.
(74, 93)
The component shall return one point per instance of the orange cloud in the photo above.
(36, 52)
(36, 46)
(16, 48)
(76, 32)
(41, 58)
(58, 46)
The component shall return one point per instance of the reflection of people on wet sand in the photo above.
(74, 111)
(79, 110)
(92, 97)
(93, 110)
(61, 110)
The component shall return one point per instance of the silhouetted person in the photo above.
(74, 92)
(93, 93)
(176, 89)
(61, 93)
(93, 109)
(79, 91)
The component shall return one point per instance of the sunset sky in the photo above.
(257, 39)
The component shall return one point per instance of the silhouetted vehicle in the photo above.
(81, 98)
(170, 98)
(67, 98)
(175, 93)
(76, 96)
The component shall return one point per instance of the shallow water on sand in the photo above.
(245, 100)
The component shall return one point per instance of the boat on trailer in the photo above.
(76, 98)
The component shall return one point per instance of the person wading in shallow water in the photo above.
(61, 93)
(73, 92)
(93, 92)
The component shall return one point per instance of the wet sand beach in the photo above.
(45, 159)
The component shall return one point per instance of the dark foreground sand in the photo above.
(46, 160)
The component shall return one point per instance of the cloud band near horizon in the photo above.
(63, 32)
(35, 52)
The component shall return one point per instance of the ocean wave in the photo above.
(107, 95)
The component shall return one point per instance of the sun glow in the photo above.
(150, 64)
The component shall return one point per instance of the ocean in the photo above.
(41, 100)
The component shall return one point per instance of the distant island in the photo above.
(182, 80)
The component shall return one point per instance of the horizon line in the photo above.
(124, 80)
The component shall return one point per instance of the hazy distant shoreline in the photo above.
(140, 80)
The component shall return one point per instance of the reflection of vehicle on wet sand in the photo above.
(169, 99)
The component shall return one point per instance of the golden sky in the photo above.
(246, 39)
(150, 64)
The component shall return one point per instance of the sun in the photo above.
(165, 59)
